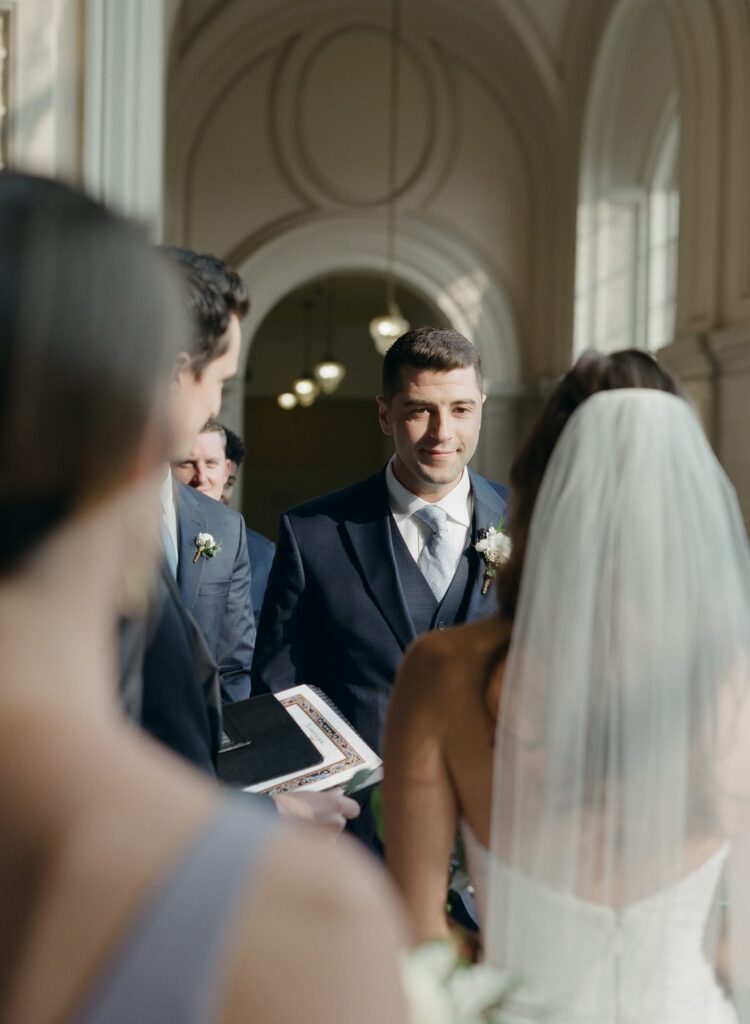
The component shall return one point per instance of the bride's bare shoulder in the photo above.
(447, 659)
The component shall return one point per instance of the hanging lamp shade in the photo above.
(329, 373)
(287, 400)
(386, 329)
(306, 388)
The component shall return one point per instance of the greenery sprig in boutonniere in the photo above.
(205, 547)
(493, 545)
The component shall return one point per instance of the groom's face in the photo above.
(434, 419)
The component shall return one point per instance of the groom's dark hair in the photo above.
(428, 348)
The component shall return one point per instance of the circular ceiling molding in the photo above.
(331, 113)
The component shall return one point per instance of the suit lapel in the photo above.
(488, 507)
(372, 547)
(190, 522)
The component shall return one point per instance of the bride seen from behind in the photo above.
(130, 887)
(591, 741)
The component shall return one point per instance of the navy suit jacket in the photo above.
(261, 551)
(216, 591)
(179, 701)
(335, 615)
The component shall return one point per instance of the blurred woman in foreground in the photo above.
(130, 888)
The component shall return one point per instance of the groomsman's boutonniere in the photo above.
(205, 546)
(494, 546)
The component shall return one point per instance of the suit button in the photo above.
(441, 625)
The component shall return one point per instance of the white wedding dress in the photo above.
(620, 956)
(623, 733)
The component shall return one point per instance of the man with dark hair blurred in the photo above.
(205, 541)
(360, 573)
(218, 273)
(179, 685)
(235, 452)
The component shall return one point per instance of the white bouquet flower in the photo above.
(440, 989)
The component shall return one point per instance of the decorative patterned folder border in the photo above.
(349, 756)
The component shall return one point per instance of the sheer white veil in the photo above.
(621, 783)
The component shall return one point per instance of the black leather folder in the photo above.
(262, 741)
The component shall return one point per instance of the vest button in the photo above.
(441, 625)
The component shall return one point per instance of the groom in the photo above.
(360, 573)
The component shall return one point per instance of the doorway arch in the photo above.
(440, 268)
(294, 455)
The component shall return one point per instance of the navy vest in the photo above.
(423, 607)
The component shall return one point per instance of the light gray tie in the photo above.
(435, 559)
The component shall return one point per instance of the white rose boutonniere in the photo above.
(494, 546)
(205, 547)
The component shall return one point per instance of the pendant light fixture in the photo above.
(305, 387)
(385, 329)
(330, 371)
(287, 400)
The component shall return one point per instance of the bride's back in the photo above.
(619, 782)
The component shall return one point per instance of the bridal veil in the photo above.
(620, 862)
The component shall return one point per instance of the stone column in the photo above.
(123, 146)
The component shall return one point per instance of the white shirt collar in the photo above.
(404, 504)
(166, 491)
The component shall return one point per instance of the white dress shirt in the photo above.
(458, 505)
(168, 510)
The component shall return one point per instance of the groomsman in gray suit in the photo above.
(360, 573)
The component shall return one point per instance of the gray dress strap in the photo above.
(166, 968)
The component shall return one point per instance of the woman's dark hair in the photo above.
(593, 372)
(89, 320)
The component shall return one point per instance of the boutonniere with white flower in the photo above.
(493, 544)
(205, 546)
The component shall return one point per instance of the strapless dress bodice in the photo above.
(581, 962)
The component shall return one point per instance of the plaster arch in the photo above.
(446, 272)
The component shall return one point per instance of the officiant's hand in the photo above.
(331, 810)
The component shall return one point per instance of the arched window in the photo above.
(663, 230)
(628, 215)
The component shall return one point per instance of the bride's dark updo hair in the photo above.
(592, 372)
(88, 322)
